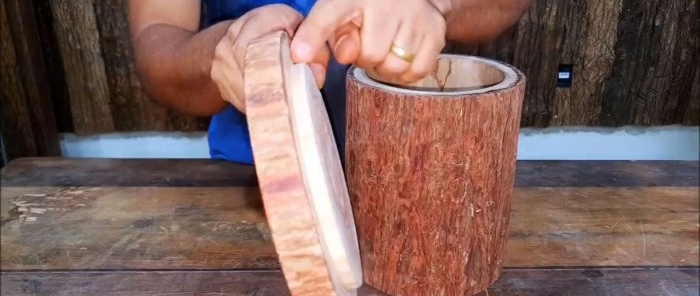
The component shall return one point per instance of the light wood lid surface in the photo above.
(299, 171)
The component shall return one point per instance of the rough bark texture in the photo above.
(430, 181)
(15, 123)
(54, 65)
(649, 83)
(633, 62)
(38, 99)
(78, 39)
(28, 122)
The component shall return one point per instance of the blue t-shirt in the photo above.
(228, 136)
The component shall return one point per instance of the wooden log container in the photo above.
(430, 169)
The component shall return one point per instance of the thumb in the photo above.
(323, 20)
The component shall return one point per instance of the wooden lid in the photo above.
(299, 172)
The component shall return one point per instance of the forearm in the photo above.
(477, 21)
(175, 64)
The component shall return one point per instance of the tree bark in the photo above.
(430, 176)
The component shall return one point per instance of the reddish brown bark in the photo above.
(430, 180)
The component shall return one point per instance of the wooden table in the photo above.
(184, 227)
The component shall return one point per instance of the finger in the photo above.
(426, 59)
(407, 39)
(346, 44)
(323, 19)
(379, 33)
(319, 65)
(228, 73)
(286, 19)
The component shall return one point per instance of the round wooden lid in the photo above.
(299, 172)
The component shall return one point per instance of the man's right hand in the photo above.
(200, 71)
(229, 58)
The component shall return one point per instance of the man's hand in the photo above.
(398, 39)
(200, 72)
(229, 57)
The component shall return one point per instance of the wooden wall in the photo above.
(27, 120)
(67, 67)
(634, 62)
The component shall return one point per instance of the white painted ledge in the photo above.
(628, 143)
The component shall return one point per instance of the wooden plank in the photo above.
(134, 228)
(525, 282)
(223, 228)
(48, 171)
(607, 173)
(604, 227)
(597, 281)
(15, 123)
(78, 38)
(30, 62)
(69, 172)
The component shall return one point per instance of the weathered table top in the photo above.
(183, 227)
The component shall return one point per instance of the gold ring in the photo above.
(402, 53)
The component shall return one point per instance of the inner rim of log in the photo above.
(455, 75)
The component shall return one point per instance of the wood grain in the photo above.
(323, 174)
(56, 171)
(526, 282)
(430, 179)
(608, 226)
(101, 172)
(289, 207)
(134, 228)
(225, 227)
(595, 173)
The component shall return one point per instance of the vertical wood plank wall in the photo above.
(634, 63)
(27, 120)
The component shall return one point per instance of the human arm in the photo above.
(200, 72)
(173, 58)
(478, 21)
